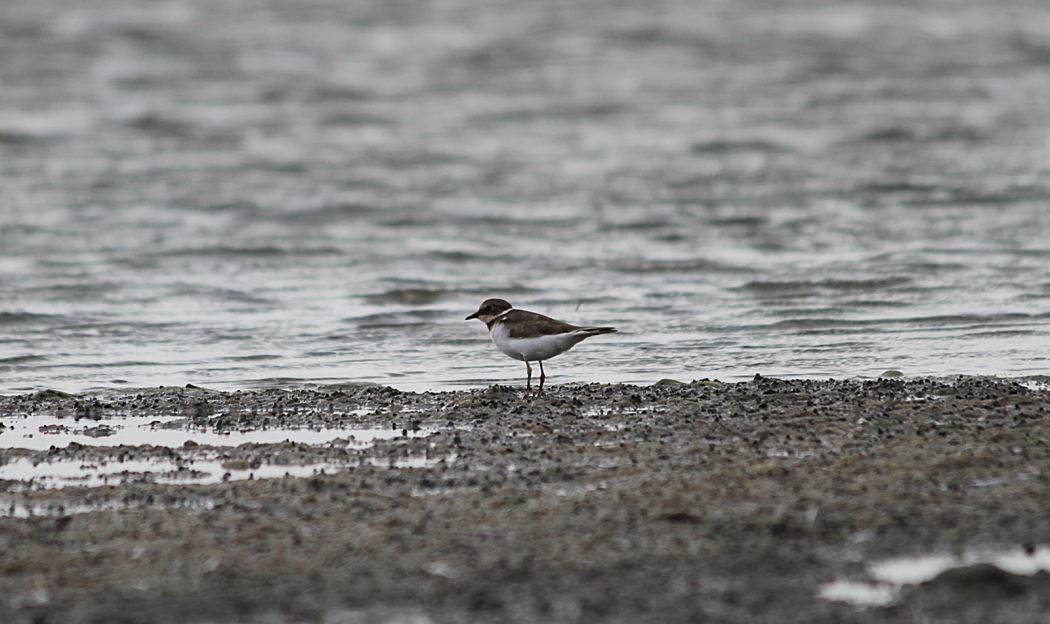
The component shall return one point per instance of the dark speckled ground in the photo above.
(598, 503)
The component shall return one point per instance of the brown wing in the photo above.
(522, 323)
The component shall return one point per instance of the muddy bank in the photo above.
(598, 503)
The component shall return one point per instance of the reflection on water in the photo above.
(241, 195)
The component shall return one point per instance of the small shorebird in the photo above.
(530, 337)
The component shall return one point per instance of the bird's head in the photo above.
(489, 309)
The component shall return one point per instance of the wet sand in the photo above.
(699, 502)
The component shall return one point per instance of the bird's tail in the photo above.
(594, 331)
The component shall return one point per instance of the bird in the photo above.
(530, 337)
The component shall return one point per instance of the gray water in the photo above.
(250, 193)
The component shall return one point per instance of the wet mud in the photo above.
(676, 502)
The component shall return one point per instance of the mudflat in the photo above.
(676, 502)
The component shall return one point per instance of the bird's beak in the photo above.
(472, 316)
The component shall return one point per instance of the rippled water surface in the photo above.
(255, 193)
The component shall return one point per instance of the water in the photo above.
(32, 476)
(195, 464)
(889, 576)
(28, 475)
(248, 194)
(40, 432)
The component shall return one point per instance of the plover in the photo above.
(530, 337)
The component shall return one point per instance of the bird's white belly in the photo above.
(532, 349)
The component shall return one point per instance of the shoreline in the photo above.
(674, 502)
(510, 380)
